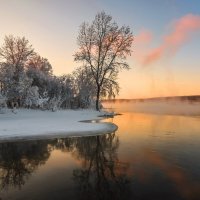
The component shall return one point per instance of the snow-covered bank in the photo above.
(31, 124)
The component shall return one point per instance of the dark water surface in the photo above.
(150, 156)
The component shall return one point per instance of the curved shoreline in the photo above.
(59, 135)
(35, 124)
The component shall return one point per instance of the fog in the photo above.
(177, 107)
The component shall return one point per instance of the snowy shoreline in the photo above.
(36, 124)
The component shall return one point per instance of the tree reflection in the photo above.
(102, 175)
(19, 160)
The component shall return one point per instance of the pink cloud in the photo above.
(143, 37)
(153, 55)
(182, 30)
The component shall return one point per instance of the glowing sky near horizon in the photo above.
(165, 59)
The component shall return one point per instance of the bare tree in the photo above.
(103, 48)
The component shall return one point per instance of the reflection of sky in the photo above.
(43, 184)
(166, 144)
(52, 28)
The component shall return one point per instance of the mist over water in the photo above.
(173, 107)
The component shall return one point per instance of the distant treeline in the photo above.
(192, 98)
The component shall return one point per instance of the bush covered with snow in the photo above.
(3, 105)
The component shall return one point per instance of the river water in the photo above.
(153, 155)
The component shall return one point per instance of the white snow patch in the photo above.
(32, 124)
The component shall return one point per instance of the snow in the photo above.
(34, 124)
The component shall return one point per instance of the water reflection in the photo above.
(102, 175)
(99, 174)
(163, 151)
(19, 160)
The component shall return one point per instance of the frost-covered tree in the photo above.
(39, 63)
(14, 90)
(54, 93)
(40, 71)
(6, 77)
(32, 97)
(19, 89)
(103, 48)
(3, 104)
(85, 86)
(14, 53)
(67, 90)
(39, 79)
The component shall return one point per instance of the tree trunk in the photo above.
(97, 99)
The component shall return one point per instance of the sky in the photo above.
(165, 58)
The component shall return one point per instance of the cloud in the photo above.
(182, 31)
(143, 37)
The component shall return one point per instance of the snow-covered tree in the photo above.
(3, 104)
(85, 86)
(39, 79)
(14, 90)
(13, 55)
(39, 63)
(103, 48)
(32, 97)
(16, 51)
(6, 77)
(40, 71)
(67, 91)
